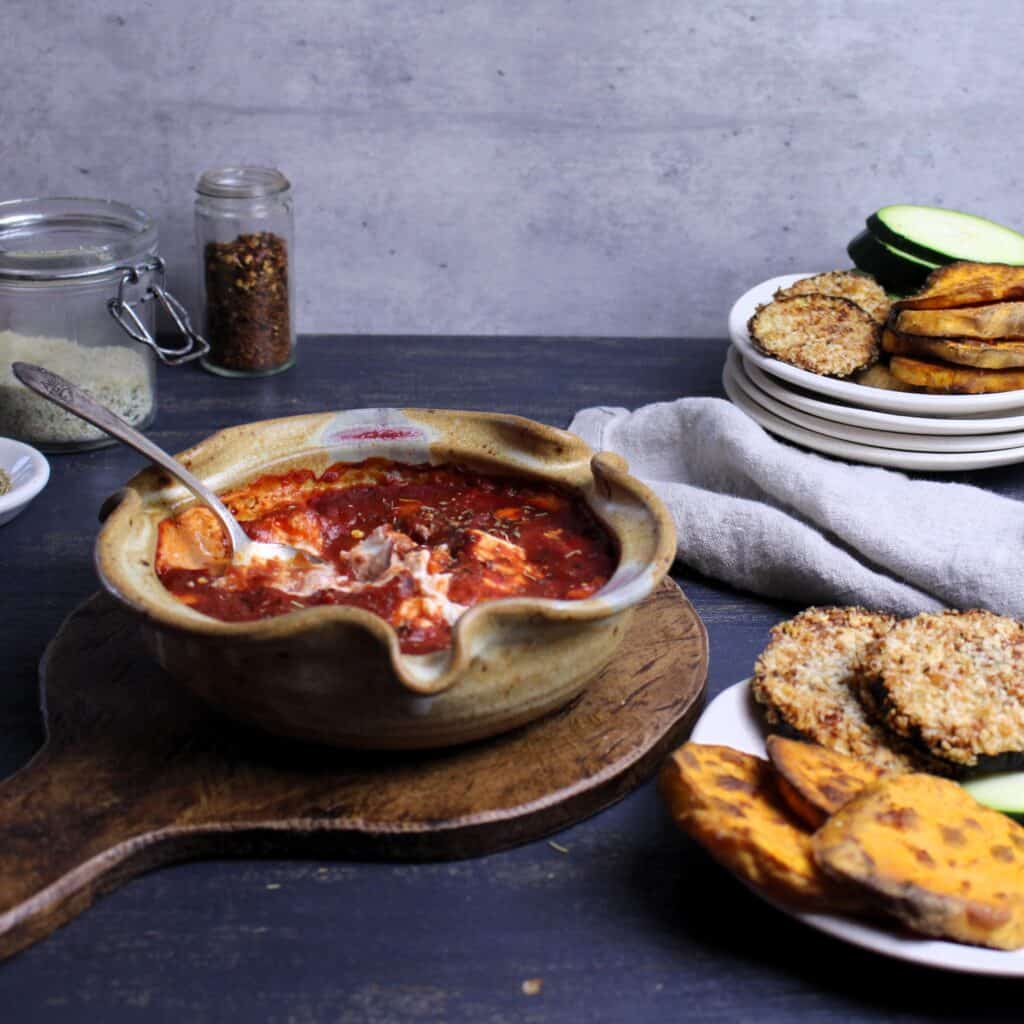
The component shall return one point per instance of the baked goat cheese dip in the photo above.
(415, 544)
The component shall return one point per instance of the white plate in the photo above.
(892, 458)
(731, 719)
(862, 435)
(874, 419)
(28, 471)
(845, 391)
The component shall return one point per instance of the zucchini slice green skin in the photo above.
(1002, 792)
(897, 272)
(944, 236)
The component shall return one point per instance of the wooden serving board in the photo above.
(136, 772)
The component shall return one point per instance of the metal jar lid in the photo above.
(68, 239)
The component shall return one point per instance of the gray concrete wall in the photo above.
(615, 167)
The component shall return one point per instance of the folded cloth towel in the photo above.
(775, 520)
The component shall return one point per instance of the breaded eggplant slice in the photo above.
(806, 681)
(922, 850)
(727, 801)
(816, 782)
(824, 334)
(953, 682)
(859, 288)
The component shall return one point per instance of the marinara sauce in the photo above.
(414, 544)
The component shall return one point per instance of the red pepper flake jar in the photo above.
(244, 234)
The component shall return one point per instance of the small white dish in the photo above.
(732, 720)
(874, 419)
(28, 471)
(845, 391)
(864, 435)
(851, 451)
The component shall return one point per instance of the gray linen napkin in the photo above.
(775, 520)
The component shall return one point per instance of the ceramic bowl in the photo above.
(335, 674)
(28, 472)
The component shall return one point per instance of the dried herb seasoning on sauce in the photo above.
(415, 544)
(247, 312)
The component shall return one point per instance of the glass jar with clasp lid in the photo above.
(80, 280)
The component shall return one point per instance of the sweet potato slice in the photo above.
(967, 284)
(946, 378)
(924, 851)
(816, 782)
(1003, 320)
(727, 801)
(987, 355)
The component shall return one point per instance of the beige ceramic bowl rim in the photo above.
(607, 471)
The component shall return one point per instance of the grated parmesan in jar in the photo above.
(115, 375)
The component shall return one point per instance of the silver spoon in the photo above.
(63, 393)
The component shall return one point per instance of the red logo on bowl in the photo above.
(376, 433)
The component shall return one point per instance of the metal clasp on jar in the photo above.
(150, 277)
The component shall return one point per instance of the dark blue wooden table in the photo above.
(621, 919)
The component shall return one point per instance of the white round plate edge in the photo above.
(869, 455)
(966, 444)
(876, 419)
(731, 719)
(874, 398)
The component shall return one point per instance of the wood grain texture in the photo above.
(622, 918)
(137, 772)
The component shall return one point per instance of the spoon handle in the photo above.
(65, 394)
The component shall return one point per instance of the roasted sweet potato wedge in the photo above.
(924, 851)
(958, 380)
(1001, 321)
(986, 355)
(816, 782)
(727, 801)
(967, 284)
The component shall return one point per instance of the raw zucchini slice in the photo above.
(944, 236)
(897, 272)
(1003, 791)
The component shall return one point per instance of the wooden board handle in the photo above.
(137, 772)
(65, 838)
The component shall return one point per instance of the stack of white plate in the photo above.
(899, 429)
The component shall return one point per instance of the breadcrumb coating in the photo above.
(860, 289)
(824, 334)
(806, 679)
(953, 682)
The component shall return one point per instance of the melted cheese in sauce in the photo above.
(417, 545)
(374, 562)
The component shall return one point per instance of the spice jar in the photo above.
(78, 280)
(244, 231)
